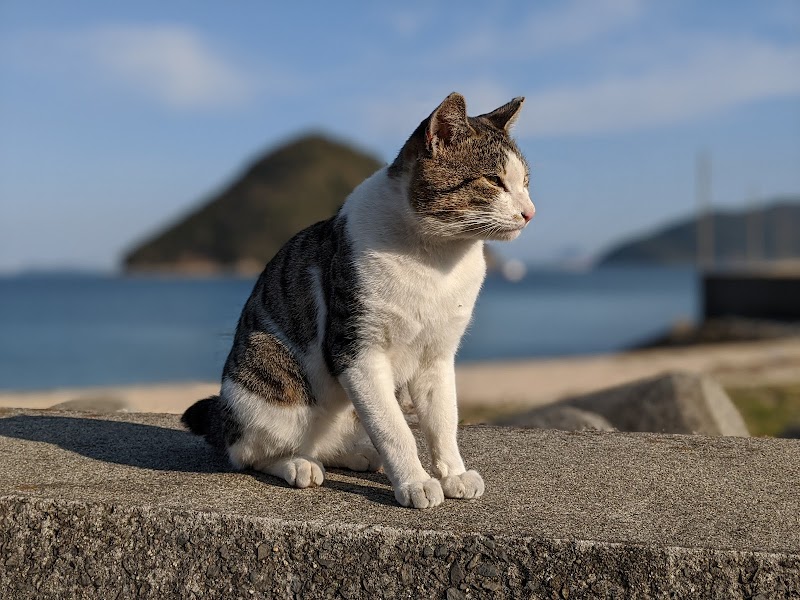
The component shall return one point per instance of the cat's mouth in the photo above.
(481, 230)
(507, 233)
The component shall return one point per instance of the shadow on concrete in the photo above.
(380, 495)
(132, 444)
(372, 486)
(159, 448)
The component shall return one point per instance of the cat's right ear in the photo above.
(447, 124)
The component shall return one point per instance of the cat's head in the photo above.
(466, 177)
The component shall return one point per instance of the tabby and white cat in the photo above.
(368, 304)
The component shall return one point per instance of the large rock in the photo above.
(558, 416)
(671, 403)
(128, 505)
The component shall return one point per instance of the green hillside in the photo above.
(773, 230)
(288, 189)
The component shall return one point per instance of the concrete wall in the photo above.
(131, 506)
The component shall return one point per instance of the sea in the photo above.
(76, 330)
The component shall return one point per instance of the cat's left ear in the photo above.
(504, 117)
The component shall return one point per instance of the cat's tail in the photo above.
(198, 416)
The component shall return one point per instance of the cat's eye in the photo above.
(526, 182)
(495, 180)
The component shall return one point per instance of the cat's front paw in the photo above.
(466, 485)
(420, 494)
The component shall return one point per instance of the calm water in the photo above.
(92, 330)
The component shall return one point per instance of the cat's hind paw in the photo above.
(466, 485)
(298, 471)
(420, 494)
(363, 458)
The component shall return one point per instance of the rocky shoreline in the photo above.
(722, 330)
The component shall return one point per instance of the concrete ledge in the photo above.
(131, 506)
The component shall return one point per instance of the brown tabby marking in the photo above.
(265, 367)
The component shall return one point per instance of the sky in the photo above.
(117, 118)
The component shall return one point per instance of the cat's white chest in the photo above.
(420, 311)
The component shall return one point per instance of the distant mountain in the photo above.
(772, 231)
(240, 229)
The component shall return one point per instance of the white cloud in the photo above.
(705, 79)
(571, 24)
(718, 76)
(173, 65)
(578, 22)
(407, 22)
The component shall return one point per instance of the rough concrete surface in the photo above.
(128, 505)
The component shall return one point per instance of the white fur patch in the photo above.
(519, 197)
(515, 172)
(270, 430)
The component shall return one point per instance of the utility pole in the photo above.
(705, 222)
(755, 230)
(783, 235)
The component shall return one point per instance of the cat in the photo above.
(373, 302)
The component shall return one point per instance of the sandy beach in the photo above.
(503, 385)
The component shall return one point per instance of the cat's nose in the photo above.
(528, 214)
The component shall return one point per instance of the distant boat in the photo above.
(513, 270)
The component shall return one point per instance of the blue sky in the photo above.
(115, 118)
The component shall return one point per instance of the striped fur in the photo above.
(368, 304)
